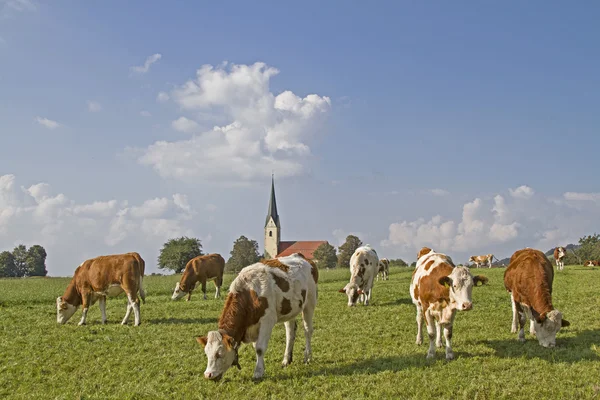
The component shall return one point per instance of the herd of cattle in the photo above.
(277, 290)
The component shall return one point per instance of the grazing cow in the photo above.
(200, 269)
(384, 269)
(438, 289)
(101, 277)
(482, 260)
(263, 294)
(528, 279)
(364, 264)
(559, 254)
(592, 263)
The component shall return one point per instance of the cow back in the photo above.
(529, 278)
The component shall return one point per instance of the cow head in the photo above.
(546, 327)
(180, 291)
(472, 259)
(64, 310)
(221, 351)
(352, 291)
(561, 252)
(461, 282)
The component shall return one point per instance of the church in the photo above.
(274, 247)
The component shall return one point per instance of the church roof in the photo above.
(272, 212)
(307, 248)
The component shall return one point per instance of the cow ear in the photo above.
(445, 281)
(564, 323)
(480, 279)
(342, 290)
(360, 291)
(229, 342)
(202, 340)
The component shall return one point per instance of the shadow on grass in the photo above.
(568, 349)
(397, 302)
(163, 321)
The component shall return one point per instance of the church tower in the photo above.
(272, 226)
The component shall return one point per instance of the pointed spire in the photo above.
(272, 212)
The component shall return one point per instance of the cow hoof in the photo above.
(430, 356)
(104, 322)
(439, 344)
(257, 377)
(522, 340)
(285, 363)
(81, 323)
(450, 356)
(419, 341)
(513, 330)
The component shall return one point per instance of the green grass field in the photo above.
(360, 352)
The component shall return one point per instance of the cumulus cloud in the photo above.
(183, 124)
(142, 69)
(94, 106)
(72, 232)
(264, 131)
(47, 123)
(162, 97)
(17, 5)
(578, 196)
(522, 192)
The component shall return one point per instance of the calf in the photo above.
(364, 264)
(482, 260)
(384, 269)
(528, 279)
(101, 277)
(592, 263)
(263, 294)
(438, 289)
(200, 269)
(559, 254)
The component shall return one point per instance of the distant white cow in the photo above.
(384, 269)
(559, 254)
(364, 264)
(482, 260)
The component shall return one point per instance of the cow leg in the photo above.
(127, 313)
(521, 322)
(102, 305)
(135, 304)
(189, 296)
(515, 319)
(531, 327)
(431, 332)
(218, 284)
(204, 289)
(260, 346)
(419, 324)
(438, 334)
(307, 316)
(448, 337)
(290, 338)
(85, 299)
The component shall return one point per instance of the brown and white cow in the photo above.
(559, 254)
(592, 263)
(528, 279)
(384, 269)
(482, 260)
(101, 277)
(364, 265)
(262, 295)
(438, 289)
(200, 269)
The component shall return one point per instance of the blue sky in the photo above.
(468, 128)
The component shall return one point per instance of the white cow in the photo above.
(364, 265)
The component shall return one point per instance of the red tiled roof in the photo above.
(307, 248)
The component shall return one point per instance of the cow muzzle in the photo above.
(467, 306)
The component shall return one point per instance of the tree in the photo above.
(398, 263)
(244, 253)
(177, 252)
(8, 269)
(413, 264)
(325, 256)
(589, 247)
(36, 261)
(346, 250)
(20, 257)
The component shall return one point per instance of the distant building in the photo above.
(274, 247)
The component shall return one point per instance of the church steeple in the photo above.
(272, 226)
(272, 212)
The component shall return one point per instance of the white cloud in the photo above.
(94, 106)
(142, 69)
(183, 124)
(145, 113)
(19, 5)
(48, 123)
(522, 192)
(162, 97)
(265, 132)
(439, 192)
(71, 232)
(578, 196)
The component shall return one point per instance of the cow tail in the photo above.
(142, 293)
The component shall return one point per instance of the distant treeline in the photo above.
(23, 262)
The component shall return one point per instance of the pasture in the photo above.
(360, 352)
